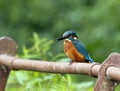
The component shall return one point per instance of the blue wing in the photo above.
(81, 49)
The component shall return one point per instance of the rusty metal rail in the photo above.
(108, 72)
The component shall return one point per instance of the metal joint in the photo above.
(104, 82)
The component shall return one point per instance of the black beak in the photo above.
(62, 38)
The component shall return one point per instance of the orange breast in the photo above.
(72, 52)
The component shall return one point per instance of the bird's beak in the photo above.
(62, 38)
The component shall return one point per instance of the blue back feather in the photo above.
(81, 49)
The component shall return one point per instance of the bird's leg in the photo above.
(71, 62)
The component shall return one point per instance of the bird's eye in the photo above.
(73, 37)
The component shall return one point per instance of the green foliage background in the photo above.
(96, 22)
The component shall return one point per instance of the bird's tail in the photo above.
(90, 60)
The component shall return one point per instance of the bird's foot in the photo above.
(71, 62)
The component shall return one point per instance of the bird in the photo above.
(74, 48)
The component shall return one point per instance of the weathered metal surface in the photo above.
(104, 82)
(7, 46)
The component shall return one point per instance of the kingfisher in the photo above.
(74, 49)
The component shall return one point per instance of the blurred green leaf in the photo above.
(84, 85)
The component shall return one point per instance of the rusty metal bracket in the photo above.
(104, 83)
(7, 46)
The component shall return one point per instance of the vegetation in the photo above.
(96, 22)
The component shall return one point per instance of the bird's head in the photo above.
(68, 34)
